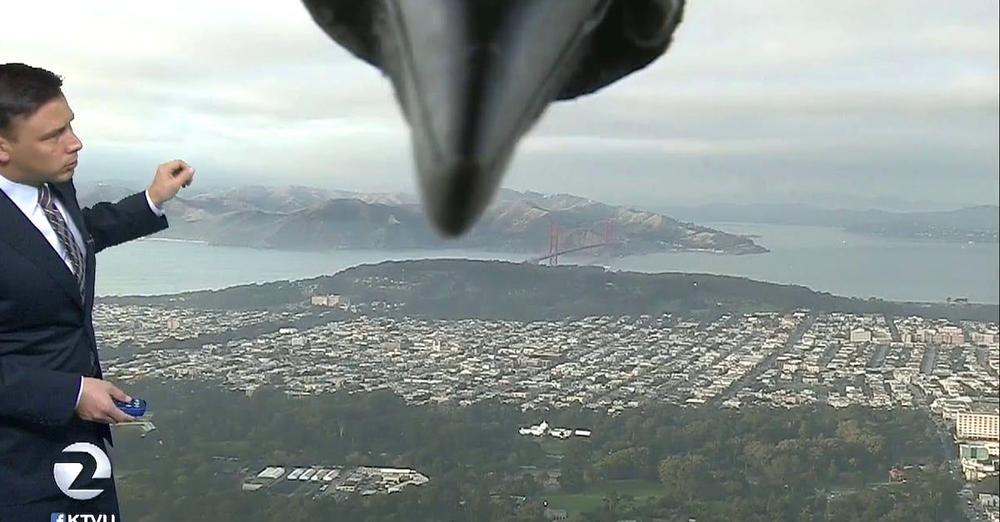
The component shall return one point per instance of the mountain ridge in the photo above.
(307, 218)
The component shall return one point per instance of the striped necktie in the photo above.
(76, 259)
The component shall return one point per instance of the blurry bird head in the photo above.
(473, 76)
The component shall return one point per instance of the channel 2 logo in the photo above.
(66, 473)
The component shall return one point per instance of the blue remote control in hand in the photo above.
(136, 408)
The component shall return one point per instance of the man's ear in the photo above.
(4, 150)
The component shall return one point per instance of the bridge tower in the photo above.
(553, 244)
(610, 231)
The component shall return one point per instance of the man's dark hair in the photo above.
(23, 89)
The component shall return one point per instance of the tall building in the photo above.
(952, 335)
(978, 426)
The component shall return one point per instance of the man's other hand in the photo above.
(97, 402)
(169, 179)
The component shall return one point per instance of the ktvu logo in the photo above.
(66, 473)
(63, 517)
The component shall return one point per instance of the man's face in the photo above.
(41, 147)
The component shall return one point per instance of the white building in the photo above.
(977, 426)
(271, 473)
(860, 335)
(537, 430)
(332, 300)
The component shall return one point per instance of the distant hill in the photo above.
(979, 224)
(455, 289)
(305, 218)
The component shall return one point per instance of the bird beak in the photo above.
(472, 77)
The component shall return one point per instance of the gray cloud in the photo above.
(770, 100)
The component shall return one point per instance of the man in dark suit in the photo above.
(51, 391)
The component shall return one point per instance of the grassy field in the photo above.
(592, 498)
(554, 448)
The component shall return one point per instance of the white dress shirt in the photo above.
(25, 198)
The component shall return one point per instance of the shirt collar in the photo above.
(25, 197)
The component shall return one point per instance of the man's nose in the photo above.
(74, 143)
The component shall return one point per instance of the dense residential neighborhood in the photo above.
(604, 363)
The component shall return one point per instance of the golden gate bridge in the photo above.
(591, 239)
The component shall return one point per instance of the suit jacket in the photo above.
(47, 337)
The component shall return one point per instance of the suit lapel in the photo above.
(21, 235)
(66, 193)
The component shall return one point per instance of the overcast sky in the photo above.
(892, 103)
